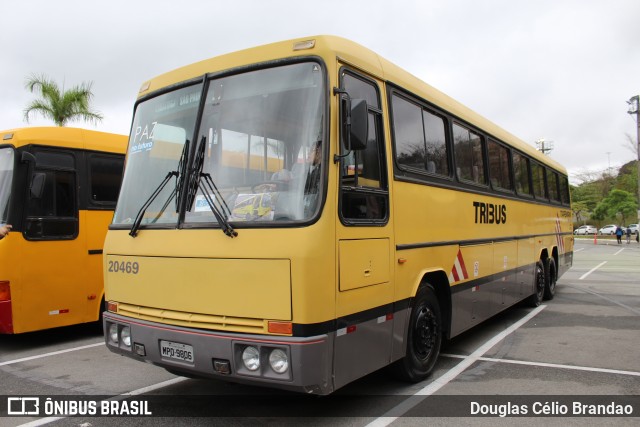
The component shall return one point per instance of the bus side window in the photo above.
(521, 172)
(105, 176)
(552, 186)
(52, 207)
(499, 166)
(539, 189)
(469, 155)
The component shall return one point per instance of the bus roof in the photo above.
(66, 137)
(330, 47)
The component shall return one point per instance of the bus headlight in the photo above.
(113, 333)
(279, 361)
(125, 336)
(251, 358)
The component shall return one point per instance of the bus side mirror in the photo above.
(359, 131)
(37, 185)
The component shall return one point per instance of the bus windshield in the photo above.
(259, 141)
(6, 179)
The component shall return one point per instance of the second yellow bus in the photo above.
(58, 189)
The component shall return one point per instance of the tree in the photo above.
(627, 179)
(59, 105)
(580, 210)
(618, 202)
(588, 193)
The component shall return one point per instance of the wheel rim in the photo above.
(540, 282)
(425, 333)
(552, 279)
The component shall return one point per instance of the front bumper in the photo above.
(218, 355)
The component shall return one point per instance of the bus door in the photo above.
(53, 274)
(364, 294)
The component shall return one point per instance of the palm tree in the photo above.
(60, 106)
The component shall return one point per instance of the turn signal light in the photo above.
(285, 328)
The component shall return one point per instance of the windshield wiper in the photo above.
(182, 167)
(145, 206)
(179, 174)
(210, 192)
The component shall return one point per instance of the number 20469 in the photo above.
(127, 267)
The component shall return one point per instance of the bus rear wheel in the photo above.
(550, 279)
(536, 299)
(424, 337)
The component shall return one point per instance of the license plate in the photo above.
(176, 351)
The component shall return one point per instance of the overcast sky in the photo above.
(555, 69)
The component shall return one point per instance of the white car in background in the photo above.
(608, 229)
(633, 227)
(585, 229)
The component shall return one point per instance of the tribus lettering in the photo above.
(488, 213)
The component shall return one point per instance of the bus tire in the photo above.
(550, 274)
(536, 299)
(424, 337)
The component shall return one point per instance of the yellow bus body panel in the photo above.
(257, 288)
(285, 286)
(363, 263)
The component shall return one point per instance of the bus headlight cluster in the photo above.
(113, 333)
(279, 361)
(251, 358)
(264, 361)
(119, 335)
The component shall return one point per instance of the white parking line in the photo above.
(401, 409)
(604, 297)
(592, 270)
(618, 252)
(53, 353)
(549, 365)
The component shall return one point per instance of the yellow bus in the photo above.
(399, 219)
(58, 190)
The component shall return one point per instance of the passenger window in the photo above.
(537, 174)
(408, 134)
(521, 174)
(499, 166)
(564, 190)
(552, 184)
(105, 176)
(436, 144)
(469, 155)
(419, 137)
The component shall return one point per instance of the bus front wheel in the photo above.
(424, 337)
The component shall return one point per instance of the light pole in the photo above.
(544, 146)
(634, 108)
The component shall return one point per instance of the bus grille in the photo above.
(193, 320)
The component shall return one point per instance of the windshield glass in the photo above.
(259, 144)
(161, 128)
(262, 132)
(6, 179)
